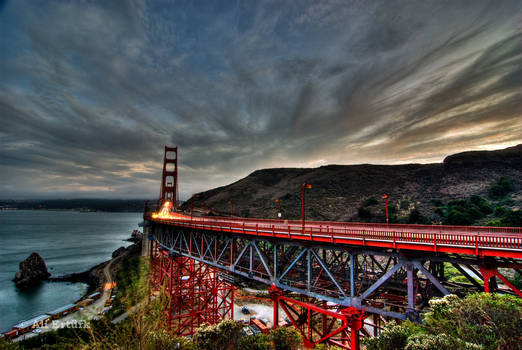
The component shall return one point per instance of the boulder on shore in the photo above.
(32, 271)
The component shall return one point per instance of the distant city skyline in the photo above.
(91, 91)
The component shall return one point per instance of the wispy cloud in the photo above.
(91, 91)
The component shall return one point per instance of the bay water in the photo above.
(68, 241)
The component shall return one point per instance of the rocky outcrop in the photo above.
(509, 157)
(32, 271)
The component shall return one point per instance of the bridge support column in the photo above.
(489, 273)
(194, 291)
(317, 322)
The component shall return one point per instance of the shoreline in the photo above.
(95, 277)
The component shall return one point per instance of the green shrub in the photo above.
(223, 336)
(501, 188)
(507, 201)
(416, 217)
(438, 342)
(500, 211)
(163, 340)
(491, 320)
(481, 203)
(479, 321)
(9, 345)
(437, 202)
(370, 201)
(457, 217)
(256, 342)
(286, 338)
(323, 346)
(365, 214)
(440, 211)
(393, 336)
(512, 218)
(517, 280)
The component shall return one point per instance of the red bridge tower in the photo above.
(169, 177)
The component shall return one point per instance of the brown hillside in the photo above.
(339, 190)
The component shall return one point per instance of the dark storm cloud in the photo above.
(90, 92)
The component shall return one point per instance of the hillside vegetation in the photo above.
(479, 321)
(482, 187)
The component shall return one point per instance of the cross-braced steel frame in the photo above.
(195, 292)
(333, 281)
(383, 283)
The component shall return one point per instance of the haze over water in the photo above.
(69, 241)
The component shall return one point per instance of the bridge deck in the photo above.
(503, 242)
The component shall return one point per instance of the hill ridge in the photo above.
(338, 191)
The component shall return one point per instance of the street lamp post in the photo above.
(385, 196)
(192, 205)
(305, 185)
(231, 208)
(278, 201)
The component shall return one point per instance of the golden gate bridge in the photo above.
(334, 281)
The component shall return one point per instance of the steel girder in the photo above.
(195, 292)
(374, 281)
(318, 321)
(382, 283)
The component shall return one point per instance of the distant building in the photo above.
(36, 322)
(62, 311)
(95, 296)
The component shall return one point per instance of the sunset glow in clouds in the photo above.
(90, 91)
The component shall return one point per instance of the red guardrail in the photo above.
(473, 240)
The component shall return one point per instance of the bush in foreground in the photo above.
(479, 321)
(286, 338)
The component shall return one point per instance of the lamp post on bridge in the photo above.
(231, 208)
(385, 196)
(278, 201)
(192, 205)
(303, 187)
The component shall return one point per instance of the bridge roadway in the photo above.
(359, 270)
(503, 242)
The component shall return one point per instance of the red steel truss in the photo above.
(503, 242)
(318, 322)
(196, 294)
(322, 275)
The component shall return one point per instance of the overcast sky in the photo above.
(91, 91)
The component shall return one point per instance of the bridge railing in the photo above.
(153, 207)
(396, 227)
(418, 237)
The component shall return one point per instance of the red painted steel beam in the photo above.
(506, 245)
(349, 317)
(195, 293)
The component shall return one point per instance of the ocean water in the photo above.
(68, 241)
